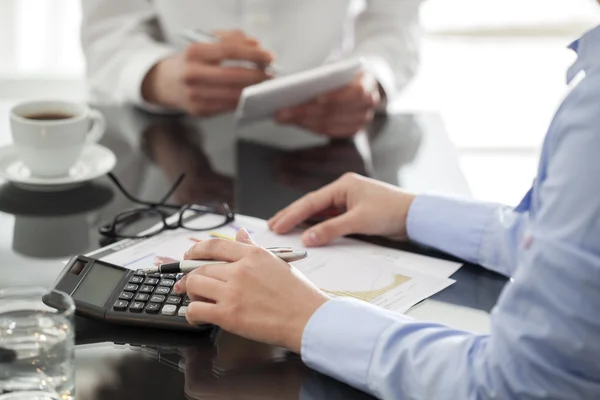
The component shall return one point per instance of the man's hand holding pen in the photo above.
(196, 81)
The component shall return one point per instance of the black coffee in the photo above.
(48, 116)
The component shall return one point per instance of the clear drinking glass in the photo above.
(37, 341)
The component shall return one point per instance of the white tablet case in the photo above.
(264, 99)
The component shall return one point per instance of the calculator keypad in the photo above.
(126, 296)
(136, 306)
(146, 289)
(162, 290)
(157, 298)
(142, 297)
(169, 309)
(152, 308)
(167, 282)
(151, 281)
(121, 305)
(152, 294)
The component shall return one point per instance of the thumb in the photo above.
(243, 236)
(326, 232)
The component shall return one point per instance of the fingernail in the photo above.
(244, 234)
(177, 287)
(310, 238)
(185, 256)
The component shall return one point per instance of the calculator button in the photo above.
(157, 298)
(162, 290)
(182, 311)
(146, 289)
(142, 297)
(120, 305)
(169, 309)
(174, 300)
(186, 301)
(131, 287)
(167, 282)
(151, 281)
(154, 275)
(169, 276)
(136, 279)
(152, 308)
(139, 272)
(136, 306)
(126, 296)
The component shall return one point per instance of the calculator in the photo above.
(118, 295)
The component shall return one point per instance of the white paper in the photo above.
(392, 279)
(264, 99)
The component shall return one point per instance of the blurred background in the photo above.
(494, 69)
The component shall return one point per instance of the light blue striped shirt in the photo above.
(545, 329)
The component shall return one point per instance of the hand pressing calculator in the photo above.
(119, 295)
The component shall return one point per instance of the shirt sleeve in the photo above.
(387, 37)
(121, 44)
(543, 339)
(481, 233)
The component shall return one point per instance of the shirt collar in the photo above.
(588, 53)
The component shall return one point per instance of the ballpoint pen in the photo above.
(198, 35)
(287, 254)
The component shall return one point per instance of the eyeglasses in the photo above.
(162, 216)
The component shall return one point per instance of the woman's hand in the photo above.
(368, 207)
(255, 295)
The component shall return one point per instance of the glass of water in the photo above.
(37, 342)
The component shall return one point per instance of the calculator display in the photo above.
(98, 285)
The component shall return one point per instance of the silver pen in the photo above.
(198, 35)
(287, 254)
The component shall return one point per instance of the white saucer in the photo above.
(94, 162)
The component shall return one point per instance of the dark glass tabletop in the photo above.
(257, 169)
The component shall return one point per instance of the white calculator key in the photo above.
(168, 309)
(182, 311)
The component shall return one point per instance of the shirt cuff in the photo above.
(454, 226)
(136, 70)
(380, 68)
(340, 339)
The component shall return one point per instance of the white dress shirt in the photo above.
(123, 39)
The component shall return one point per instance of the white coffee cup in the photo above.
(49, 136)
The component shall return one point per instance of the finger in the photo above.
(326, 232)
(208, 108)
(219, 272)
(217, 75)
(227, 50)
(243, 236)
(238, 35)
(288, 114)
(331, 195)
(350, 118)
(199, 312)
(217, 249)
(200, 286)
(210, 92)
(353, 92)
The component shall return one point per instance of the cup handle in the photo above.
(98, 127)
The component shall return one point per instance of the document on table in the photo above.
(392, 279)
